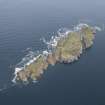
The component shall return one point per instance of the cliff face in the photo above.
(34, 70)
(67, 50)
(87, 36)
(51, 59)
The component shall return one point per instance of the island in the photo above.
(66, 47)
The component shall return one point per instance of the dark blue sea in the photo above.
(23, 23)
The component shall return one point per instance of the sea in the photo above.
(23, 23)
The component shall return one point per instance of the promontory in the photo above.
(64, 48)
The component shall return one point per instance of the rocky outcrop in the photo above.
(68, 48)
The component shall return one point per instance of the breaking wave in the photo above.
(52, 43)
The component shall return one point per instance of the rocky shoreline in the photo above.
(65, 48)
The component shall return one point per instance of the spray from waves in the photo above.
(61, 33)
(26, 61)
(32, 56)
(51, 44)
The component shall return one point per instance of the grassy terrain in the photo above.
(37, 67)
(88, 36)
(67, 49)
(69, 46)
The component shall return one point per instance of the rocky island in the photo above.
(64, 48)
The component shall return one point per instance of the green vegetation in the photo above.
(69, 46)
(88, 36)
(67, 50)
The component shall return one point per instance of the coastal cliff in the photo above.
(65, 48)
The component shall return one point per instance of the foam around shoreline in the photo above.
(52, 44)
